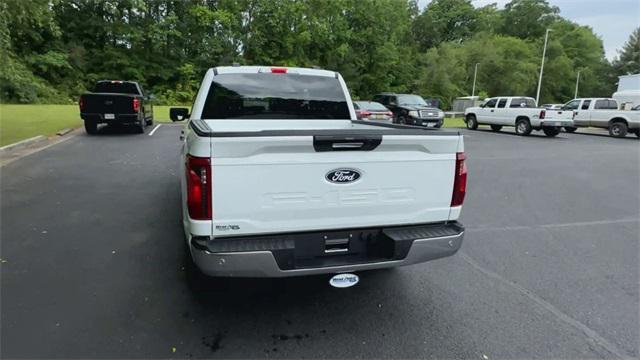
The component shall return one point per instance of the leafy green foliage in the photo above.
(629, 60)
(52, 50)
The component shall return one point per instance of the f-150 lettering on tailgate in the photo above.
(339, 197)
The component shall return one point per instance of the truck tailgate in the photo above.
(272, 184)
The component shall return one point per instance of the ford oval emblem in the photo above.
(344, 280)
(342, 176)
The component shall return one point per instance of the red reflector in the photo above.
(136, 105)
(278, 70)
(459, 180)
(198, 173)
(81, 104)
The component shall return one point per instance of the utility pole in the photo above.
(575, 96)
(544, 53)
(475, 75)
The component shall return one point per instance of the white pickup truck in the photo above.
(280, 179)
(603, 113)
(520, 112)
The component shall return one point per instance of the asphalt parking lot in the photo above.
(92, 263)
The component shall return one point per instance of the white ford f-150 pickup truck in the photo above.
(520, 112)
(280, 179)
(603, 113)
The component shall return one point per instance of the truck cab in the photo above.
(603, 113)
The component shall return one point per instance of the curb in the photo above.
(24, 143)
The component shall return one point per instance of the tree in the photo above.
(628, 61)
(528, 19)
(444, 20)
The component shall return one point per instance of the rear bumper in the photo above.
(275, 256)
(118, 118)
(556, 123)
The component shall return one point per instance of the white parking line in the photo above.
(154, 129)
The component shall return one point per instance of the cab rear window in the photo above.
(275, 96)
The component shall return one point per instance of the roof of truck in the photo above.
(271, 69)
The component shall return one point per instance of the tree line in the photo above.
(53, 50)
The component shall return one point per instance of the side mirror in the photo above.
(150, 97)
(483, 105)
(178, 114)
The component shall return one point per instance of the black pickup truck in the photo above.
(116, 102)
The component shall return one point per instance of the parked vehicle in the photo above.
(518, 111)
(411, 109)
(280, 179)
(603, 113)
(552, 106)
(371, 110)
(116, 102)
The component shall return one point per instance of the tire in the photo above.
(140, 126)
(150, 122)
(472, 122)
(618, 129)
(570, 129)
(551, 131)
(196, 280)
(91, 127)
(496, 127)
(402, 120)
(439, 124)
(523, 127)
(638, 133)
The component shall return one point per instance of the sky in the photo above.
(612, 20)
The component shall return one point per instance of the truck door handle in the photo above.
(346, 142)
(491, 110)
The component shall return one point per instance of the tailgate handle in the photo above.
(346, 142)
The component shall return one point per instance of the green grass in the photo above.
(457, 122)
(19, 122)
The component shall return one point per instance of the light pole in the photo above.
(544, 53)
(475, 75)
(575, 96)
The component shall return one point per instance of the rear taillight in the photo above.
(542, 114)
(136, 105)
(362, 113)
(389, 113)
(81, 104)
(198, 172)
(459, 180)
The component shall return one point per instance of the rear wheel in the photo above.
(402, 120)
(570, 129)
(618, 129)
(551, 131)
(150, 121)
(140, 126)
(472, 122)
(523, 127)
(91, 127)
(496, 127)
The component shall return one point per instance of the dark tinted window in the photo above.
(502, 103)
(606, 105)
(585, 105)
(491, 103)
(275, 96)
(522, 102)
(116, 87)
(370, 105)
